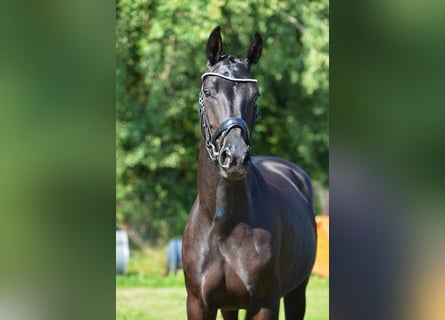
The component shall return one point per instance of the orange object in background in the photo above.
(321, 266)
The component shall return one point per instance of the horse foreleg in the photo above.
(197, 311)
(295, 302)
(265, 313)
(229, 314)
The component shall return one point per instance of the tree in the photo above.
(160, 49)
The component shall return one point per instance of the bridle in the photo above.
(228, 124)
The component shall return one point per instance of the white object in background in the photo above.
(122, 251)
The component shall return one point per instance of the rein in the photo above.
(228, 124)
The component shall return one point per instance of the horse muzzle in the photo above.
(234, 160)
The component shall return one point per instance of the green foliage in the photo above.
(160, 55)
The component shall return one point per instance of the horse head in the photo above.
(227, 106)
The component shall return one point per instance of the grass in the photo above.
(146, 294)
(142, 280)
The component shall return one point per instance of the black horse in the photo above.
(250, 238)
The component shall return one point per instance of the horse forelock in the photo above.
(230, 66)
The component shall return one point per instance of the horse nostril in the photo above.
(225, 158)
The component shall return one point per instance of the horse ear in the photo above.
(253, 54)
(214, 46)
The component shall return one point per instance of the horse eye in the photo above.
(207, 92)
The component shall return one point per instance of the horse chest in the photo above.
(237, 266)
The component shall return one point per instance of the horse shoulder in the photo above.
(195, 245)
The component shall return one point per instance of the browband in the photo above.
(226, 77)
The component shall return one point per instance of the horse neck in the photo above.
(206, 182)
(223, 201)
